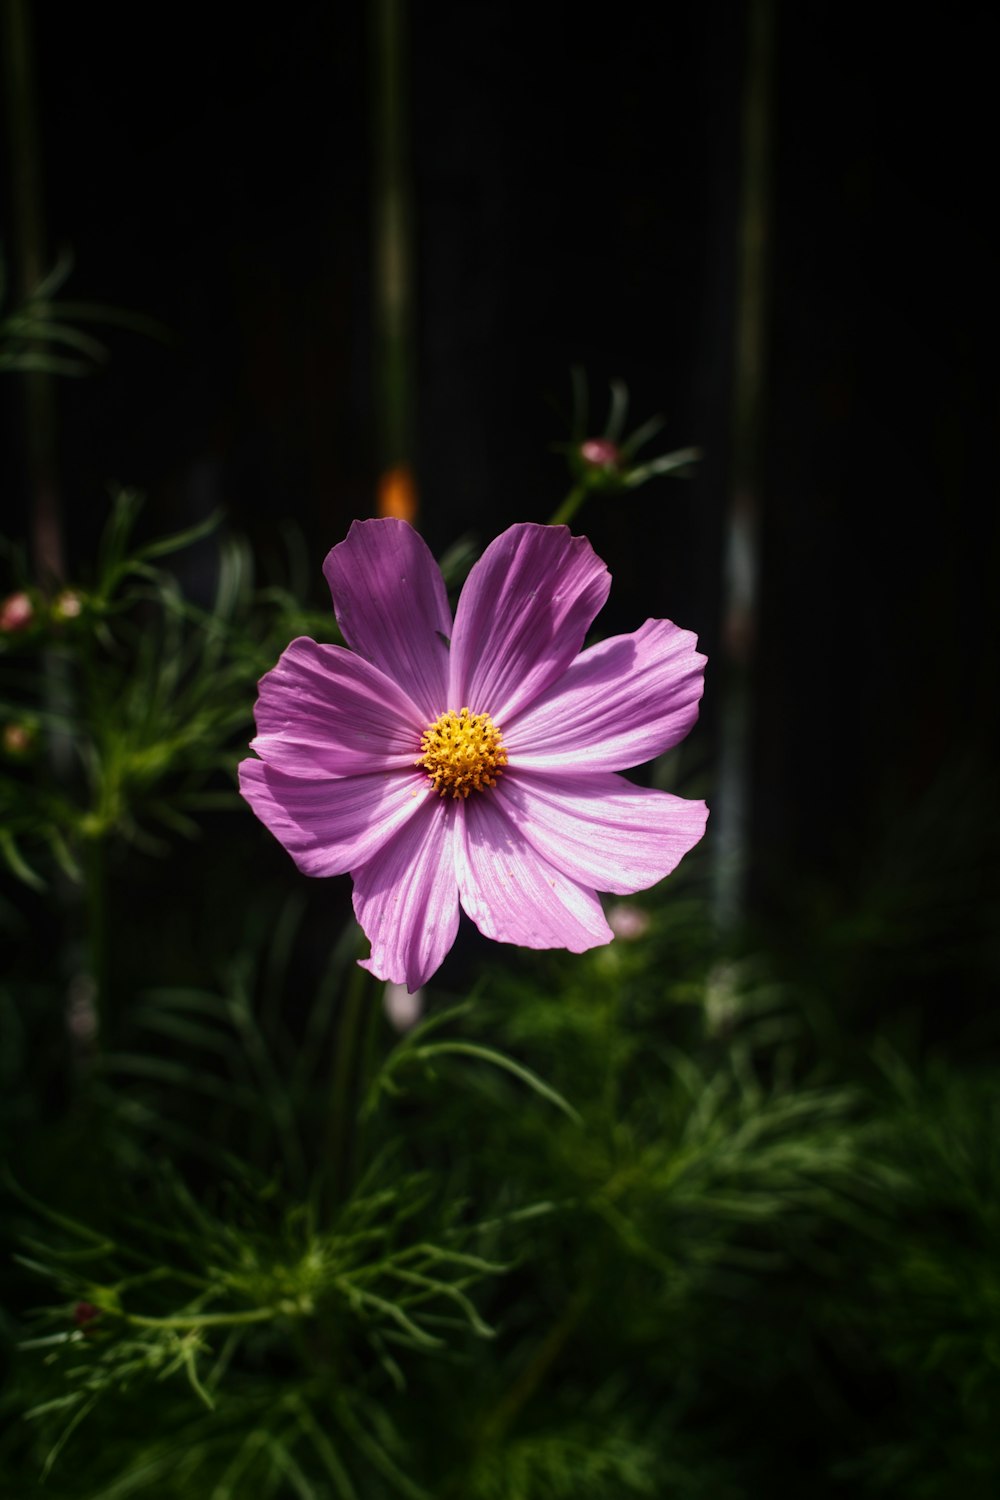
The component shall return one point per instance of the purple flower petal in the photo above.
(391, 604)
(524, 611)
(599, 829)
(328, 826)
(324, 711)
(406, 898)
(619, 704)
(515, 895)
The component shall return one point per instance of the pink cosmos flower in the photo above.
(472, 762)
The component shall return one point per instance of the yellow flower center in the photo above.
(462, 753)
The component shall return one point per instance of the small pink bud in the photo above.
(16, 612)
(627, 921)
(67, 605)
(85, 1313)
(17, 739)
(601, 453)
(403, 1009)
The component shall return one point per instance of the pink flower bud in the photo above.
(17, 739)
(403, 1009)
(67, 605)
(601, 453)
(16, 612)
(627, 921)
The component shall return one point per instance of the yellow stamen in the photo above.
(462, 753)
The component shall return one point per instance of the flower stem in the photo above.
(206, 1320)
(337, 1167)
(95, 881)
(520, 1392)
(28, 235)
(568, 509)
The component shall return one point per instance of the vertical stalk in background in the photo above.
(27, 238)
(87, 987)
(742, 545)
(342, 1117)
(358, 1022)
(393, 365)
(392, 236)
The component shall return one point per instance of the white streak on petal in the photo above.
(330, 825)
(406, 898)
(513, 894)
(599, 829)
(324, 711)
(620, 703)
(525, 609)
(391, 603)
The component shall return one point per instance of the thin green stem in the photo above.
(95, 883)
(367, 1059)
(337, 1167)
(208, 1320)
(28, 235)
(568, 509)
(531, 1376)
(393, 286)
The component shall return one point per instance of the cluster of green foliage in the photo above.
(646, 1222)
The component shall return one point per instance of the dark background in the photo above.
(575, 187)
(576, 192)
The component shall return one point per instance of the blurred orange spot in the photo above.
(397, 494)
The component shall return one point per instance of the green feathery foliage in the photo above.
(664, 1219)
